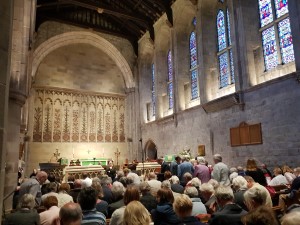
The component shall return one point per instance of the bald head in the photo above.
(70, 214)
(41, 177)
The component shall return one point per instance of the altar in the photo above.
(77, 171)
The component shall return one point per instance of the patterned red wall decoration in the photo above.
(62, 115)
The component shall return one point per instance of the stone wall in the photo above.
(269, 98)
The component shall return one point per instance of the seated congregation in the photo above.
(188, 192)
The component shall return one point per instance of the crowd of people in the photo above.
(185, 192)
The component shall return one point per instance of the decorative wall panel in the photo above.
(71, 116)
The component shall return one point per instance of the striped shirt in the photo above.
(93, 217)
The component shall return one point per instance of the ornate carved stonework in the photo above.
(62, 115)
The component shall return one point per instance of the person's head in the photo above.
(250, 181)
(77, 183)
(178, 159)
(232, 170)
(85, 175)
(167, 175)
(201, 160)
(195, 182)
(70, 214)
(251, 165)
(214, 183)
(286, 168)
(174, 180)
(144, 188)
(192, 192)
(96, 184)
(277, 171)
(105, 180)
(87, 198)
(117, 190)
(64, 187)
(110, 163)
(166, 184)
(50, 201)
(52, 187)
(131, 194)
(262, 215)
(164, 195)
(224, 195)
(71, 178)
(152, 176)
(297, 171)
(239, 183)
(187, 176)
(217, 158)
(51, 178)
(254, 197)
(183, 206)
(160, 160)
(120, 174)
(41, 177)
(26, 201)
(207, 190)
(126, 171)
(292, 218)
(136, 214)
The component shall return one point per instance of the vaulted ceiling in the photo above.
(129, 19)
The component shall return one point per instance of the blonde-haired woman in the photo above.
(136, 214)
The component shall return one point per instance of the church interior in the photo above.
(132, 80)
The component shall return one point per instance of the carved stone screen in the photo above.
(62, 115)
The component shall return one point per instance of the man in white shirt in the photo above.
(220, 171)
(279, 179)
(154, 184)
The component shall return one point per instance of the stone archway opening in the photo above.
(151, 150)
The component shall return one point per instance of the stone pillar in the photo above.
(6, 13)
(294, 11)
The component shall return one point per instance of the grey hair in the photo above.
(239, 182)
(188, 176)
(144, 187)
(224, 193)
(117, 189)
(218, 157)
(106, 180)
(214, 183)
(192, 192)
(201, 160)
(257, 195)
(174, 180)
(27, 201)
(166, 184)
(195, 182)
(206, 187)
(233, 169)
(120, 174)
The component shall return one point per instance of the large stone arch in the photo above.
(83, 37)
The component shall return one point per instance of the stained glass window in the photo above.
(225, 55)
(153, 90)
(231, 66)
(193, 50)
(221, 30)
(266, 13)
(170, 80)
(224, 69)
(281, 7)
(228, 27)
(270, 38)
(270, 49)
(194, 84)
(286, 41)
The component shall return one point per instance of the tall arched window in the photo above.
(225, 55)
(193, 64)
(170, 80)
(153, 89)
(276, 33)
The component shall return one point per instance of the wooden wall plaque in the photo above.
(245, 134)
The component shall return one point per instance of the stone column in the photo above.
(6, 13)
(294, 11)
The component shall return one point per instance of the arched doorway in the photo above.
(151, 150)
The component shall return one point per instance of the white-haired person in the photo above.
(229, 212)
(202, 171)
(183, 207)
(255, 197)
(220, 171)
(208, 194)
(154, 184)
(25, 214)
(251, 184)
(198, 206)
(175, 185)
(239, 186)
(278, 179)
